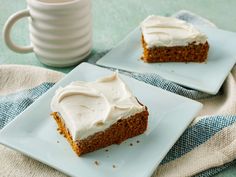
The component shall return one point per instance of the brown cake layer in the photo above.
(190, 53)
(115, 134)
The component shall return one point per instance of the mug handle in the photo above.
(7, 30)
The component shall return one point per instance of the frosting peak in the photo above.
(168, 31)
(90, 107)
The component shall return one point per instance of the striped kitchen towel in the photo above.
(206, 147)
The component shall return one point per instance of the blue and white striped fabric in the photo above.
(198, 133)
(13, 104)
(207, 146)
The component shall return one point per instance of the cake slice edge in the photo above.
(118, 132)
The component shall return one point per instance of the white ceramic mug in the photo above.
(60, 31)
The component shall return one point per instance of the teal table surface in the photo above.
(112, 21)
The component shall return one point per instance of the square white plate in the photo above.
(207, 77)
(34, 132)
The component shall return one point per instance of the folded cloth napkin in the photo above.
(206, 147)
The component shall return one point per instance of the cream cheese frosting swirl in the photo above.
(161, 31)
(90, 107)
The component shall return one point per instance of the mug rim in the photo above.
(53, 4)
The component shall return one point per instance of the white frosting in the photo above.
(90, 107)
(168, 31)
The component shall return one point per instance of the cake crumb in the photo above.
(96, 163)
(137, 141)
(106, 150)
(98, 124)
(58, 141)
(113, 166)
(131, 144)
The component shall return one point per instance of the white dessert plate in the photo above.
(34, 132)
(207, 77)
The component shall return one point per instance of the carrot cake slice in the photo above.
(167, 39)
(93, 115)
